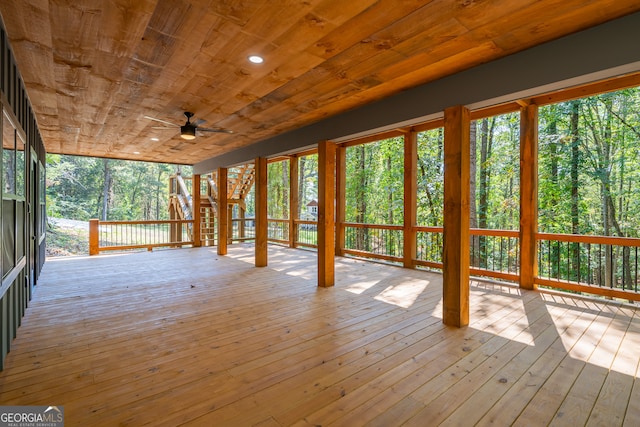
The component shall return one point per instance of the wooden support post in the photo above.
(94, 237)
(262, 224)
(326, 207)
(528, 196)
(293, 200)
(455, 256)
(195, 199)
(410, 195)
(223, 213)
(341, 191)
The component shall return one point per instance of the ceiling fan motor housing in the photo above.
(188, 131)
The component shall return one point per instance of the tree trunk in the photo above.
(473, 211)
(301, 182)
(575, 164)
(284, 201)
(361, 200)
(158, 181)
(106, 190)
(552, 130)
(607, 205)
(486, 138)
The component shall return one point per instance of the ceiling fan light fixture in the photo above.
(188, 132)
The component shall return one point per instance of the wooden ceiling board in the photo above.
(94, 68)
(380, 15)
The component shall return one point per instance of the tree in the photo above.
(106, 189)
(83, 188)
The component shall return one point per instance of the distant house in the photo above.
(311, 214)
(312, 209)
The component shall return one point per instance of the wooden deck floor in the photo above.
(186, 337)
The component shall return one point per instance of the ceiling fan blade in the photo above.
(161, 121)
(198, 122)
(218, 130)
(162, 128)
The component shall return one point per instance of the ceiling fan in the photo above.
(188, 130)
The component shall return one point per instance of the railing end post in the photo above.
(94, 241)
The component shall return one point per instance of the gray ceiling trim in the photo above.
(600, 52)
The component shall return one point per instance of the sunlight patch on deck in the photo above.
(403, 294)
(361, 286)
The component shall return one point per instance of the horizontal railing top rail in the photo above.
(148, 222)
(376, 226)
(595, 239)
(143, 234)
(493, 232)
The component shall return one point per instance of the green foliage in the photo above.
(307, 184)
(430, 176)
(589, 179)
(607, 142)
(278, 189)
(76, 188)
(374, 185)
(501, 166)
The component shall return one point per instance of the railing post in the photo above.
(262, 226)
(528, 196)
(410, 195)
(455, 254)
(94, 237)
(326, 209)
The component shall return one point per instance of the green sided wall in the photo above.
(22, 207)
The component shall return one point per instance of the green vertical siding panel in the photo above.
(3, 334)
(15, 300)
(4, 330)
(11, 294)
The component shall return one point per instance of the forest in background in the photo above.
(84, 188)
(589, 172)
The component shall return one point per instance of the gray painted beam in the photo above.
(600, 52)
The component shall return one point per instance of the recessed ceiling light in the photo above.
(256, 59)
(136, 152)
(155, 139)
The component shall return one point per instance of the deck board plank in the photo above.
(210, 340)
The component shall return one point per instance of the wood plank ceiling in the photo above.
(95, 68)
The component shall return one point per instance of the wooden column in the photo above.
(528, 195)
(340, 198)
(410, 194)
(326, 209)
(293, 200)
(223, 213)
(455, 256)
(261, 212)
(195, 199)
